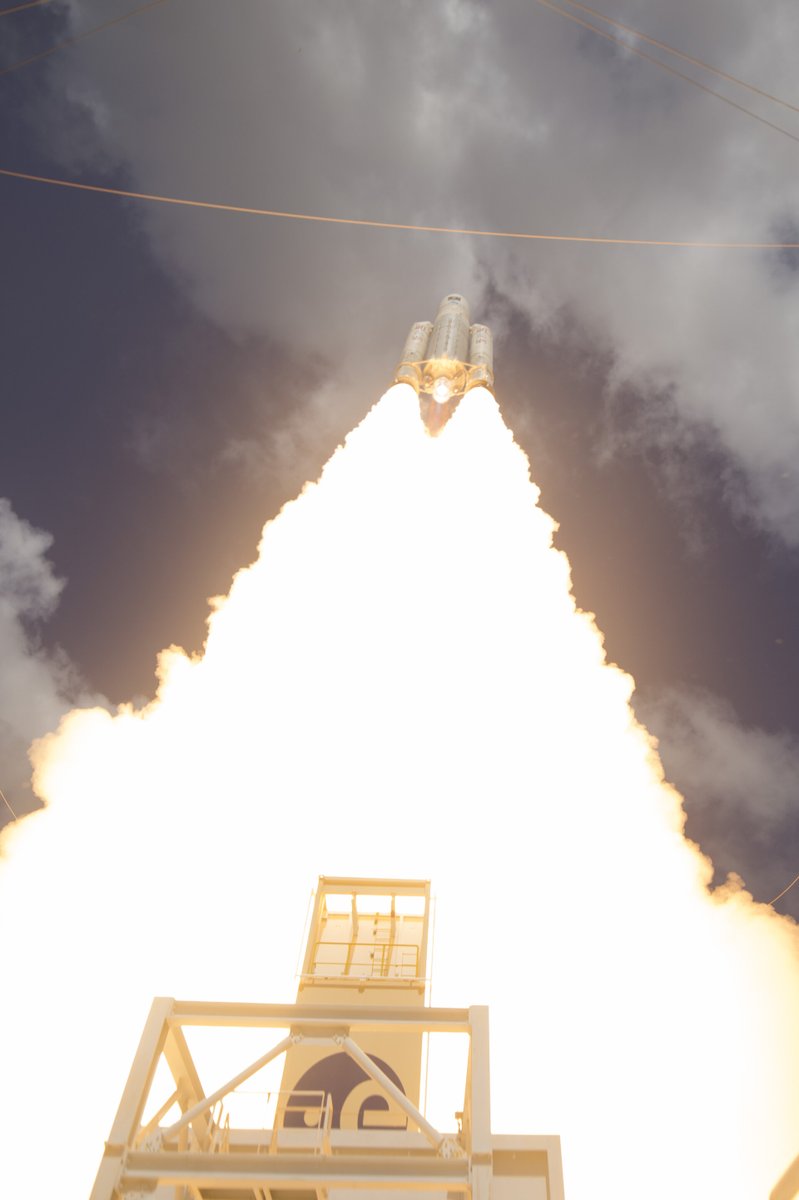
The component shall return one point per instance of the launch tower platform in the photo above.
(348, 1118)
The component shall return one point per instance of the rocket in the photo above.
(444, 359)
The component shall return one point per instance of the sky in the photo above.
(173, 376)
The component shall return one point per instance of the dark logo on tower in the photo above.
(357, 1101)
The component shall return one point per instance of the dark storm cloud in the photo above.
(500, 116)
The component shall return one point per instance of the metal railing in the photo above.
(320, 1103)
(371, 960)
(315, 1108)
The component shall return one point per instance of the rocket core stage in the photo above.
(444, 359)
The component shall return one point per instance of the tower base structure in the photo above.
(345, 1123)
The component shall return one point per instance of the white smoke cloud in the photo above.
(740, 781)
(503, 116)
(748, 768)
(402, 685)
(36, 686)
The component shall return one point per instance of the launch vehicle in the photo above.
(444, 359)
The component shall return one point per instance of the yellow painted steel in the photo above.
(367, 947)
(346, 1123)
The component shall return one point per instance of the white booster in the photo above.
(409, 370)
(449, 356)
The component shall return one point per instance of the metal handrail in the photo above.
(388, 959)
(322, 1105)
(289, 1100)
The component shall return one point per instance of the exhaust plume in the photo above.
(401, 684)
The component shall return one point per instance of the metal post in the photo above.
(134, 1097)
(479, 1103)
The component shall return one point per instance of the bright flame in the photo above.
(441, 390)
(401, 685)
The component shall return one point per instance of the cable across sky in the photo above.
(6, 12)
(246, 210)
(697, 62)
(78, 37)
(627, 45)
(779, 896)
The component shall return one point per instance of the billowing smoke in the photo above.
(402, 684)
(500, 116)
(36, 687)
(742, 781)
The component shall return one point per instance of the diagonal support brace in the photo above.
(209, 1101)
(371, 1068)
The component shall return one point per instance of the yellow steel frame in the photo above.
(140, 1158)
(330, 885)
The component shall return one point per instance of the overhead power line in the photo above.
(780, 895)
(697, 62)
(246, 210)
(6, 12)
(79, 37)
(611, 37)
(8, 806)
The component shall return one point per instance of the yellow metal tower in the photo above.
(367, 945)
(348, 1121)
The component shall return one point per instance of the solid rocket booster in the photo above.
(446, 358)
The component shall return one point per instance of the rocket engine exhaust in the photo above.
(444, 359)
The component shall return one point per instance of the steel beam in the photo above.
(478, 1102)
(403, 1018)
(134, 1097)
(787, 1188)
(207, 1102)
(371, 1068)
(184, 1072)
(144, 1170)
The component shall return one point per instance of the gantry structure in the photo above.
(347, 1119)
